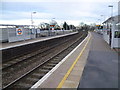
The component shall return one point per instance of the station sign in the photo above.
(52, 25)
(19, 31)
(98, 25)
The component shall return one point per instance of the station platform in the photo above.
(30, 41)
(92, 64)
(101, 70)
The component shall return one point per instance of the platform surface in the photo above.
(101, 70)
(20, 43)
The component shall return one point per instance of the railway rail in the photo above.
(26, 72)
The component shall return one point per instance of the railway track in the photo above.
(26, 64)
(33, 72)
(28, 56)
(43, 47)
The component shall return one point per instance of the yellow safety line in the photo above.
(69, 71)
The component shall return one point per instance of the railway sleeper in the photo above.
(4, 73)
(51, 64)
(54, 62)
(22, 85)
(56, 59)
(47, 67)
(38, 75)
(61, 55)
(5, 65)
(32, 79)
(43, 70)
(11, 69)
(12, 62)
(27, 81)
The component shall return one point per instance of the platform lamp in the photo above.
(111, 6)
(32, 27)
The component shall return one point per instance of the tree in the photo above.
(44, 26)
(82, 24)
(72, 27)
(65, 26)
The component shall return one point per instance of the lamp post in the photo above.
(32, 28)
(111, 6)
(32, 17)
(111, 31)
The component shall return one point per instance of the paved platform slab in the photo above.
(101, 70)
(20, 43)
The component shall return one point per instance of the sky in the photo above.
(72, 11)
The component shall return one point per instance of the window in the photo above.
(117, 26)
(117, 34)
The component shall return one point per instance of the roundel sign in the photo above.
(19, 31)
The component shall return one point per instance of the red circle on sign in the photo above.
(19, 31)
(52, 25)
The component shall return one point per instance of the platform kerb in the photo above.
(74, 78)
(55, 77)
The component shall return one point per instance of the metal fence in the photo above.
(13, 34)
(10, 35)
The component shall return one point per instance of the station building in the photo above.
(111, 31)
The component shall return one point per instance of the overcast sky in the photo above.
(71, 11)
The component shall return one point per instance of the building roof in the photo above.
(115, 18)
(14, 25)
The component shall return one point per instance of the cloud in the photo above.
(12, 15)
(16, 22)
(60, 0)
(62, 10)
(38, 21)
